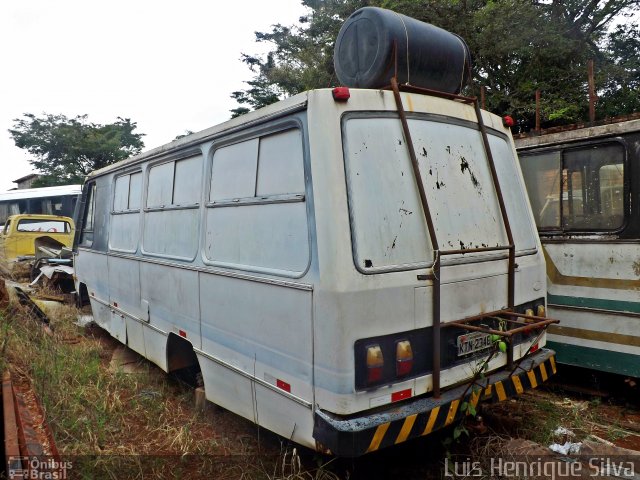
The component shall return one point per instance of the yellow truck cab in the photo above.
(20, 231)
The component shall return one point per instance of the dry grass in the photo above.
(16, 271)
(536, 415)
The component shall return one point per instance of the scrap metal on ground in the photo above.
(28, 442)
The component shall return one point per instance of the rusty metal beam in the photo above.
(503, 209)
(497, 313)
(432, 237)
(30, 442)
(593, 98)
(503, 333)
(11, 437)
(435, 276)
(474, 250)
(433, 93)
(26, 436)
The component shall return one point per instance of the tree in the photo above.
(302, 57)
(521, 46)
(620, 93)
(65, 149)
(518, 47)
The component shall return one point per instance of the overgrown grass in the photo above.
(547, 417)
(67, 378)
(4, 339)
(536, 415)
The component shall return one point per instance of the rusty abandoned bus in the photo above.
(591, 240)
(348, 268)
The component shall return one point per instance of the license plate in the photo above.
(473, 342)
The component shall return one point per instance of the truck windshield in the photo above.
(389, 231)
(39, 225)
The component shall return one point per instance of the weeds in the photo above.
(540, 429)
(4, 338)
(290, 467)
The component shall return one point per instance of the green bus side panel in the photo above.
(596, 359)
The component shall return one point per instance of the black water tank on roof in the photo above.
(428, 56)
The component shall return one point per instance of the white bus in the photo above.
(59, 201)
(591, 240)
(287, 254)
(326, 289)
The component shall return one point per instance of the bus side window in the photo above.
(256, 216)
(172, 207)
(542, 175)
(16, 208)
(51, 206)
(127, 193)
(86, 237)
(74, 201)
(593, 188)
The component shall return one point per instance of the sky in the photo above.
(170, 66)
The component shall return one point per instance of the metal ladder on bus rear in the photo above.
(523, 322)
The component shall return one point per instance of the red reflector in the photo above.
(341, 94)
(534, 348)
(404, 358)
(283, 386)
(115, 304)
(508, 121)
(401, 395)
(374, 374)
(182, 333)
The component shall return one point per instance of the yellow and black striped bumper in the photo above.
(356, 435)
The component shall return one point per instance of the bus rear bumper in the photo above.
(367, 432)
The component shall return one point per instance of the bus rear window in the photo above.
(389, 231)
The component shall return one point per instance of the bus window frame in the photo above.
(561, 229)
(90, 204)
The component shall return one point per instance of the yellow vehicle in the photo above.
(20, 231)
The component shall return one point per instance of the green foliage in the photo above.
(301, 58)
(621, 83)
(468, 409)
(65, 149)
(182, 135)
(518, 47)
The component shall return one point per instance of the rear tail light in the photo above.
(404, 358)
(528, 311)
(375, 362)
(341, 94)
(537, 310)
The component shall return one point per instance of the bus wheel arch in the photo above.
(182, 359)
(82, 295)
